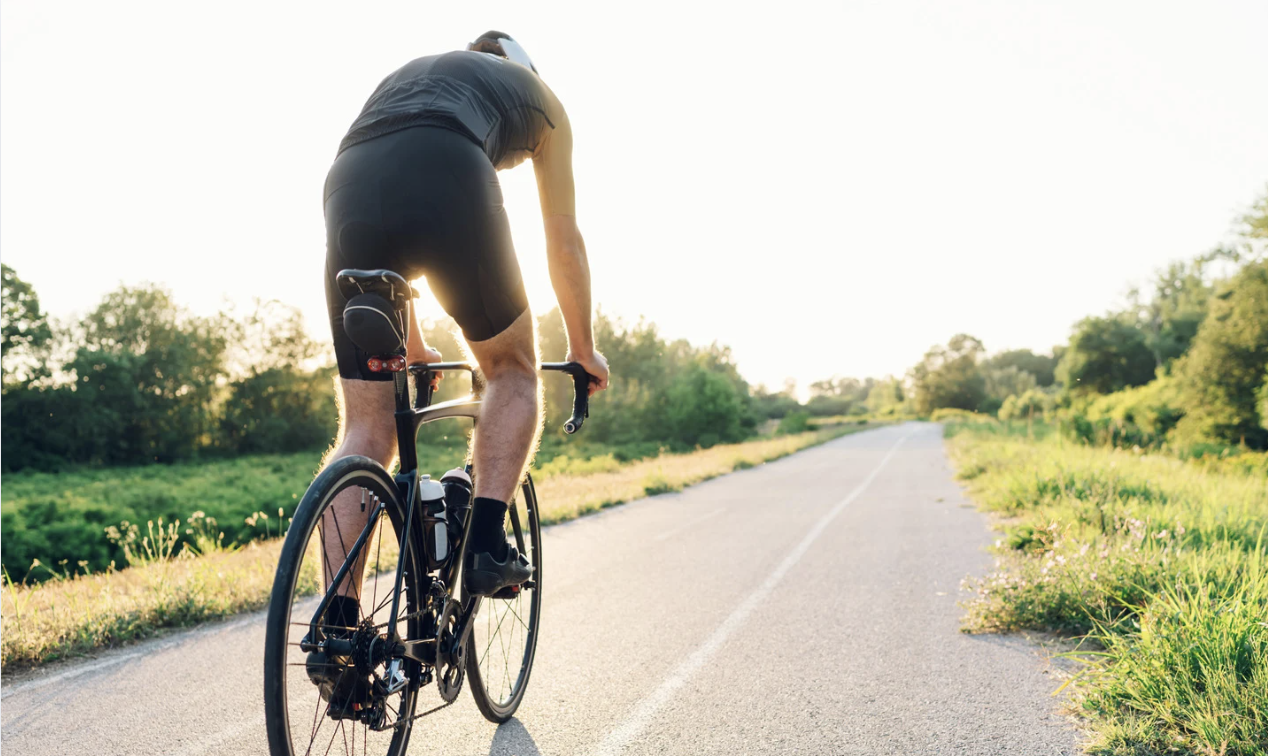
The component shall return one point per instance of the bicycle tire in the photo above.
(282, 632)
(500, 707)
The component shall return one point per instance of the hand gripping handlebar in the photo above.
(580, 386)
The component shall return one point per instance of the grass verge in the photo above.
(72, 614)
(1158, 564)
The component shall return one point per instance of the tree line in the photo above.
(1185, 362)
(140, 379)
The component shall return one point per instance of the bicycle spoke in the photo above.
(378, 551)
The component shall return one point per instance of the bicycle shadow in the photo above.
(512, 739)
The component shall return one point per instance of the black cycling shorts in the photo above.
(424, 201)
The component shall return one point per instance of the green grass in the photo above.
(70, 613)
(1158, 564)
(60, 519)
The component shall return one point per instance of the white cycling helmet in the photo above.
(510, 49)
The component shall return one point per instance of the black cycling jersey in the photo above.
(503, 106)
(414, 187)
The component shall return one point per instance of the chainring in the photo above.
(451, 663)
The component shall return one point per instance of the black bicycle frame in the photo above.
(409, 418)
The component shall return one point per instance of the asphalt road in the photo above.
(806, 606)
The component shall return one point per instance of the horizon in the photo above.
(1051, 157)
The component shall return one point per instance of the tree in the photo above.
(886, 397)
(1255, 224)
(1171, 317)
(1263, 402)
(1221, 375)
(1041, 366)
(146, 376)
(276, 402)
(1003, 382)
(838, 396)
(1105, 355)
(950, 376)
(769, 404)
(24, 326)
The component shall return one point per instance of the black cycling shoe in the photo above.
(341, 685)
(483, 575)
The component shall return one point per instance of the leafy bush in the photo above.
(948, 414)
(1141, 416)
(1030, 405)
(796, 422)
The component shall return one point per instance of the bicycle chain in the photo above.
(430, 711)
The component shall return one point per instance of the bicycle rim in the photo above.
(299, 720)
(503, 640)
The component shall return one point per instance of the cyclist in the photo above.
(414, 189)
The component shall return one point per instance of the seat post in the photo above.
(405, 427)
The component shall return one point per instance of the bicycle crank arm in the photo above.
(422, 651)
(464, 622)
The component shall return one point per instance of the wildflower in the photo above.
(1160, 534)
(1083, 550)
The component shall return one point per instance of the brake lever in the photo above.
(580, 400)
(580, 392)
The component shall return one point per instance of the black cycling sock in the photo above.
(344, 611)
(488, 527)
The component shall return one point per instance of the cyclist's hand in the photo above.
(429, 356)
(595, 364)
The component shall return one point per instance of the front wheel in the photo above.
(503, 639)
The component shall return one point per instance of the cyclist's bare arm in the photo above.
(566, 249)
(416, 351)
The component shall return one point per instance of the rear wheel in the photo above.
(503, 638)
(301, 717)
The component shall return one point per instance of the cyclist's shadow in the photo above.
(512, 738)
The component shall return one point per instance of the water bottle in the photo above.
(431, 495)
(458, 499)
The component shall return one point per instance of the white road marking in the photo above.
(684, 526)
(645, 710)
(154, 648)
(41, 682)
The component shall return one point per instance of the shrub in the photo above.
(1033, 404)
(795, 422)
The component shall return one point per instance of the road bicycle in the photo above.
(416, 625)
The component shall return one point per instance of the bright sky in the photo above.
(827, 188)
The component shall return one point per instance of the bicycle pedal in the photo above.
(511, 591)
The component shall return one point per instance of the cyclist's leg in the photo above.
(366, 428)
(356, 237)
(510, 410)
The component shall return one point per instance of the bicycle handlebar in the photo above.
(580, 392)
(580, 386)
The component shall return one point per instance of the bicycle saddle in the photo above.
(387, 284)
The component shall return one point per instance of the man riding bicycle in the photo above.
(414, 189)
